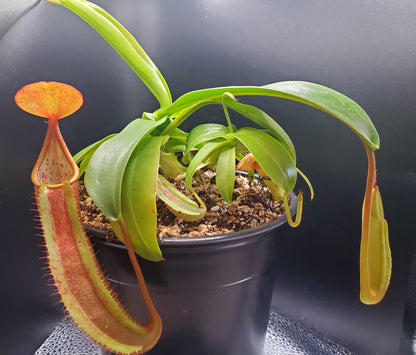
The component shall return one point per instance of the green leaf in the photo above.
(85, 154)
(203, 133)
(225, 173)
(264, 120)
(333, 103)
(179, 134)
(104, 176)
(124, 44)
(272, 156)
(176, 142)
(202, 156)
(138, 195)
(318, 96)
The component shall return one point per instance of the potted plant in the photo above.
(125, 172)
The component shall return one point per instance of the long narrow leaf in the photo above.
(264, 120)
(92, 147)
(199, 158)
(84, 156)
(203, 133)
(318, 96)
(177, 141)
(274, 158)
(123, 43)
(138, 211)
(104, 184)
(137, 47)
(225, 173)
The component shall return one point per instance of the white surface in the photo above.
(283, 337)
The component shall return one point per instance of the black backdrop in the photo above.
(363, 48)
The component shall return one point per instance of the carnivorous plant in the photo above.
(153, 143)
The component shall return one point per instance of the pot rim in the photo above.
(178, 242)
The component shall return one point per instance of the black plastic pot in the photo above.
(213, 293)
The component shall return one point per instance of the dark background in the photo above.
(365, 49)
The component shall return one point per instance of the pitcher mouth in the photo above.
(55, 164)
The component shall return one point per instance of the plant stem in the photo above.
(155, 322)
(183, 115)
(226, 113)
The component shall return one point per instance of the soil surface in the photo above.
(252, 206)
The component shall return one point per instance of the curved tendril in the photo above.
(224, 107)
(299, 209)
(304, 177)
